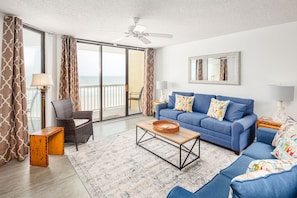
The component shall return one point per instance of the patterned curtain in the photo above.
(69, 82)
(13, 103)
(223, 69)
(147, 102)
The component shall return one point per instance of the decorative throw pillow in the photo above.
(287, 126)
(286, 147)
(183, 103)
(217, 109)
(271, 165)
(235, 111)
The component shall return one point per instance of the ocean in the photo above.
(107, 80)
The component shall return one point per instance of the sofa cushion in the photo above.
(234, 111)
(170, 113)
(266, 185)
(171, 101)
(183, 103)
(248, 102)
(193, 118)
(238, 167)
(259, 150)
(217, 109)
(218, 186)
(216, 125)
(202, 102)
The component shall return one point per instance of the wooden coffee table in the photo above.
(177, 139)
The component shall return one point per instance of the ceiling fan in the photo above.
(138, 31)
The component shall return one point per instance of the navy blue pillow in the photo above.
(235, 111)
(171, 102)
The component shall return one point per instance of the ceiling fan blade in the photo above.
(144, 40)
(159, 35)
(116, 40)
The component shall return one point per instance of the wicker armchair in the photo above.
(78, 126)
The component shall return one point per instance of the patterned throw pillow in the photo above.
(286, 147)
(287, 126)
(271, 165)
(217, 109)
(285, 141)
(184, 103)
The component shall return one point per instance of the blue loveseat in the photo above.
(235, 132)
(275, 185)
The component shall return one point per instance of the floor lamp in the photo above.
(281, 94)
(43, 82)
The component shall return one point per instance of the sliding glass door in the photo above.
(135, 82)
(113, 82)
(111, 79)
(89, 59)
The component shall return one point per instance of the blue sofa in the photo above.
(235, 132)
(280, 184)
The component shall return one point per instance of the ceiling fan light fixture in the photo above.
(139, 28)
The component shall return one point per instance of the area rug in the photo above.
(114, 166)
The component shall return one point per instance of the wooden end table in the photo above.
(267, 122)
(49, 140)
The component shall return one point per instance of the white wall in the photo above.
(268, 56)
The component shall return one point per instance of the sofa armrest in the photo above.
(158, 108)
(178, 192)
(245, 124)
(265, 135)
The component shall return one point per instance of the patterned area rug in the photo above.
(114, 166)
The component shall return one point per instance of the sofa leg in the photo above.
(237, 152)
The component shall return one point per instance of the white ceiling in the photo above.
(187, 20)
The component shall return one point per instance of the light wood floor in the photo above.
(59, 179)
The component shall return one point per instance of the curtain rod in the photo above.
(109, 44)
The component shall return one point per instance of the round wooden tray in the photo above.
(166, 126)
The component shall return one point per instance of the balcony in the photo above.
(113, 103)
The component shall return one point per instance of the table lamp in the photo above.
(43, 82)
(281, 94)
(161, 85)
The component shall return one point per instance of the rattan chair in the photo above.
(78, 126)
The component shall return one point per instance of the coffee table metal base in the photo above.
(182, 147)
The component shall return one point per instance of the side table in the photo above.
(49, 140)
(268, 123)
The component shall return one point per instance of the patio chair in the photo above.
(137, 96)
(78, 126)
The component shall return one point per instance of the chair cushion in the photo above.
(78, 122)
(215, 125)
(193, 118)
(259, 150)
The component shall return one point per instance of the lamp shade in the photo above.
(41, 80)
(161, 85)
(282, 93)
